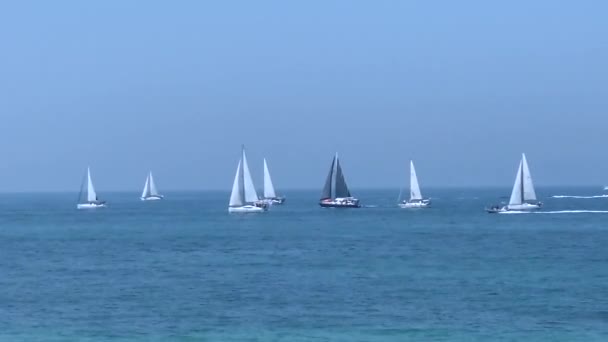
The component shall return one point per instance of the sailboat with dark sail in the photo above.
(340, 197)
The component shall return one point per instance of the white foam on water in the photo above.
(569, 196)
(557, 212)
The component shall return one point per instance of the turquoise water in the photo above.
(185, 270)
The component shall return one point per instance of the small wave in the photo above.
(569, 196)
(370, 206)
(558, 212)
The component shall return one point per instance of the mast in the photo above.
(242, 174)
(521, 184)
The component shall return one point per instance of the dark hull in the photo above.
(337, 205)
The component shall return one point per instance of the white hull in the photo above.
(246, 209)
(274, 200)
(90, 205)
(421, 204)
(524, 206)
(152, 198)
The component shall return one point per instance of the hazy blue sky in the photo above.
(463, 87)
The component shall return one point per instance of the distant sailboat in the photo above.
(90, 201)
(150, 192)
(244, 198)
(416, 200)
(270, 195)
(523, 196)
(341, 197)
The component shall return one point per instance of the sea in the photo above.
(183, 269)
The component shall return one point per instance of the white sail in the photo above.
(529, 193)
(268, 186)
(153, 190)
(415, 193)
(91, 194)
(249, 189)
(516, 194)
(146, 191)
(235, 197)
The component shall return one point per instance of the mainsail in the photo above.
(523, 189)
(153, 191)
(528, 187)
(341, 187)
(91, 194)
(415, 193)
(268, 186)
(249, 189)
(146, 191)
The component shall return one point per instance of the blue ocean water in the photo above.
(185, 270)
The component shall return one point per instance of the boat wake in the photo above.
(558, 212)
(568, 196)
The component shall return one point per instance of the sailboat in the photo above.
(523, 196)
(150, 192)
(90, 201)
(270, 195)
(244, 198)
(341, 197)
(416, 200)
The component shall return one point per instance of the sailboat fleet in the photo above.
(335, 193)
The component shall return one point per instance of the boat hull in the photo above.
(415, 204)
(514, 207)
(524, 206)
(152, 198)
(247, 209)
(90, 205)
(274, 200)
(340, 203)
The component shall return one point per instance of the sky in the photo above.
(461, 87)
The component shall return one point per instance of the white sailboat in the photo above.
(523, 196)
(150, 192)
(270, 195)
(90, 201)
(416, 200)
(244, 198)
